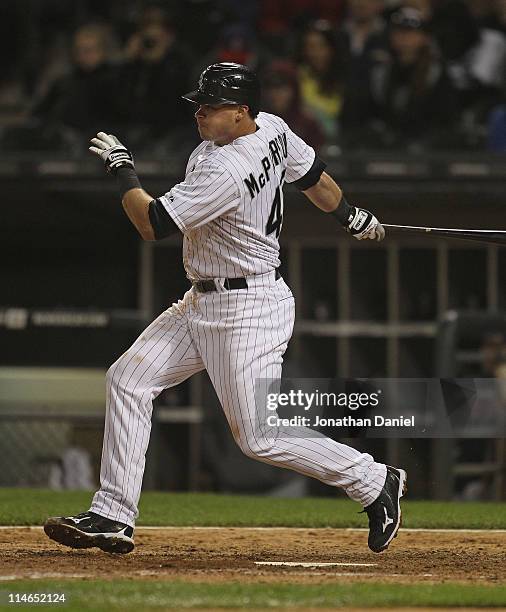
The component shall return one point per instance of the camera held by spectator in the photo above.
(156, 66)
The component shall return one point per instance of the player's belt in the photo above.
(205, 286)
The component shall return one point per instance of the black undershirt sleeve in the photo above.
(162, 223)
(312, 176)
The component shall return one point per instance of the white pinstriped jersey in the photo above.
(230, 204)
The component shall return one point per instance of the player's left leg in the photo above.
(241, 336)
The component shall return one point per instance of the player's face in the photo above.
(219, 123)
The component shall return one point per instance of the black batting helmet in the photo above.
(227, 83)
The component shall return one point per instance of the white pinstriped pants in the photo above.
(238, 336)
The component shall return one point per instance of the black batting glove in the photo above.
(112, 152)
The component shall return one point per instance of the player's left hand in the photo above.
(111, 151)
(363, 225)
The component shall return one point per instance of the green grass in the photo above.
(32, 506)
(128, 595)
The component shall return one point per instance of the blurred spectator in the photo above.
(83, 99)
(411, 100)
(281, 96)
(363, 29)
(278, 17)
(321, 77)
(152, 78)
(236, 43)
(198, 21)
(362, 41)
(487, 13)
(476, 58)
(279, 21)
(424, 6)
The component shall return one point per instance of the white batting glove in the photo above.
(363, 225)
(111, 151)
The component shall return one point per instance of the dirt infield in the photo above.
(231, 554)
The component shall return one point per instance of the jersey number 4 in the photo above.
(275, 220)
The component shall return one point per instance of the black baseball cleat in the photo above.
(89, 530)
(385, 512)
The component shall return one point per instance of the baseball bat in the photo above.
(480, 235)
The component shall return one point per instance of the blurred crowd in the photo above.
(347, 75)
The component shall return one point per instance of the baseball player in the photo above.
(236, 319)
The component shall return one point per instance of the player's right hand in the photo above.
(363, 225)
(111, 151)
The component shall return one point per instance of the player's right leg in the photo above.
(242, 336)
(163, 356)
